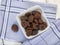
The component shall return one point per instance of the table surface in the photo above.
(43, 1)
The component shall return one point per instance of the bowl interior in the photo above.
(35, 8)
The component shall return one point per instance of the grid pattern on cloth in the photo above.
(11, 9)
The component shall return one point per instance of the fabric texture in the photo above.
(8, 11)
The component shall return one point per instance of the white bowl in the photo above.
(37, 8)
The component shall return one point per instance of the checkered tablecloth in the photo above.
(8, 11)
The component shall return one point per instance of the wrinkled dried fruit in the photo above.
(34, 32)
(42, 26)
(30, 19)
(28, 14)
(25, 24)
(28, 32)
(14, 27)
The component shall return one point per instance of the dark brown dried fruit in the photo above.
(28, 14)
(35, 21)
(30, 19)
(28, 32)
(34, 32)
(29, 28)
(34, 26)
(14, 27)
(34, 12)
(40, 21)
(37, 16)
(25, 24)
(43, 26)
(23, 18)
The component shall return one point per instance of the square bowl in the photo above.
(34, 8)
